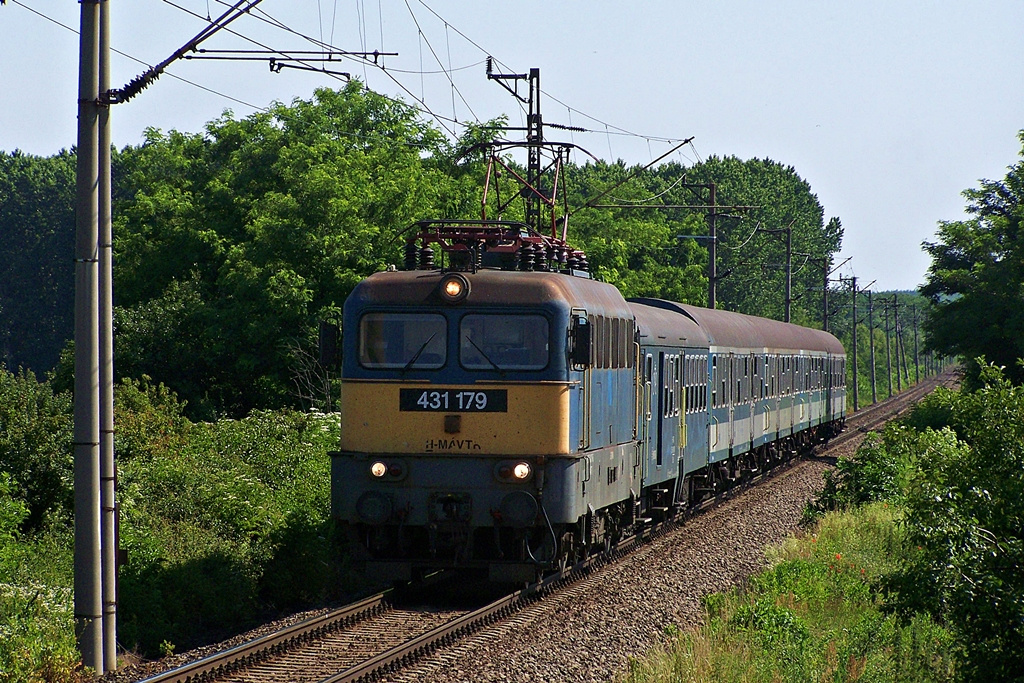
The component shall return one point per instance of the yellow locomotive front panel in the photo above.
(500, 419)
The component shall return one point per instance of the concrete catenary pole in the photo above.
(108, 467)
(888, 352)
(903, 348)
(87, 584)
(856, 390)
(712, 247)
(917, 362)
(789, 271)
(871, 336)
(899, 343)
(824, 297)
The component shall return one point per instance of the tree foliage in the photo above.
(646, 252)
(220, 520)
(234, 243)
(965, 514)
(37, 233)
(953, 467)
(751, 261)
(35, 446)
(976, 279)
(231, 245)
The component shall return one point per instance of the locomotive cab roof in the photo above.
(490, 288)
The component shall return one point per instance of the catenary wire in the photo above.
(422, 105)
(142, 62)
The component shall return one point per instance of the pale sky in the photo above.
(888, 109)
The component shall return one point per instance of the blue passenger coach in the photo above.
(731, 393)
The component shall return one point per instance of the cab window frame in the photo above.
(416, 319)
(486, 366)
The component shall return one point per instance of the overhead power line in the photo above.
(141, 82)
(144, 63)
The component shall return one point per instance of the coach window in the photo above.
(402, 340)
(747, 383)
(503, 342)
(704, 383)
(691, 384)
(741, 379)
(714, 381)
(607, 358)
(724, 377)
(687, 394)
(755, 379)
(666, 385)
(677, 383)
(613, 348)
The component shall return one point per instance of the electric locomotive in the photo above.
(485, 411)
(506, 412)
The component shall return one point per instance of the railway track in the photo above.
(877, 414)
(374, 640)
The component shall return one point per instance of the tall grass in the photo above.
(814, 615)
(36, 614)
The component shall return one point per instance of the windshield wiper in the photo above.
(486, 358)
(416, 356)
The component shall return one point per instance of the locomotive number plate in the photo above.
(453, 400)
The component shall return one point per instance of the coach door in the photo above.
(581, 359)
(651, 413)
(731, 395)
(667, 430)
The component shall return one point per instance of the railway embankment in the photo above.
(594, 628)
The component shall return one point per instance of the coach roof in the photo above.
(737, 330)
(663, 326)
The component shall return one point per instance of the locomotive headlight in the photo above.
(454, 288)
(521, 470)
(378, 469)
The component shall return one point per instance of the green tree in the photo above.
(976, 279)
(751, 262)
(636, 249)
(37, 232)
(233, 244)
(35, 446)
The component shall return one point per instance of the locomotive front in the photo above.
(455, 400)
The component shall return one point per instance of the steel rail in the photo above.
(258, 649)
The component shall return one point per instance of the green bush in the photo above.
(879, 471)
(223, 522)
(36, 622)
(956, 465)
(965, 519)
(35, 445)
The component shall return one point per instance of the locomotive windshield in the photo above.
(402, 340)
(503, 342)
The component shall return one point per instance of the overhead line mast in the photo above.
(534, 135)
